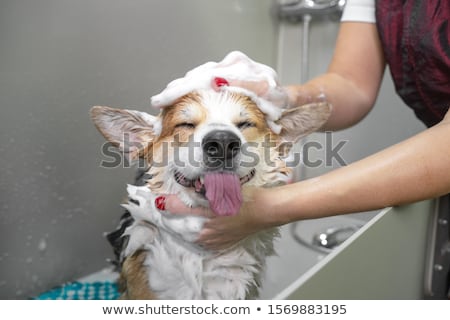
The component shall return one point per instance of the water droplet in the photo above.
(29, 260)
(42, 245)
(79, 211)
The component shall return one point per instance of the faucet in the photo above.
(334, 236)
(298, 9)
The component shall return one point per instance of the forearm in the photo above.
(413, 170)
(347, 109)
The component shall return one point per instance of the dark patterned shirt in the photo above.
(416, 39)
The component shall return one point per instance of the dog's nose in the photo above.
(219, 147)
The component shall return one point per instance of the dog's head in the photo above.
(208, 144)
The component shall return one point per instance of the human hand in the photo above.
(235, 71)
(218, 232)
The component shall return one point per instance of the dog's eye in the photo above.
(244, 125)
(186, 125)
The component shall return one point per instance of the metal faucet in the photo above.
(334, 236)
(296, 10)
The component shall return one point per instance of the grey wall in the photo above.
(57, 59)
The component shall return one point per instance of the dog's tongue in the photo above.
(223, 191)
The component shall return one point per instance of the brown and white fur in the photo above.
(160, 259)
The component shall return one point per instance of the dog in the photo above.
(203, 148)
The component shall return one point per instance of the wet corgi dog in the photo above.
(203, 148)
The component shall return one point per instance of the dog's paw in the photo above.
(141, 203)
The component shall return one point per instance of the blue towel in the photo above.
(82, 291)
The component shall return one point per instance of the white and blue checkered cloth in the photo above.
(105, 290)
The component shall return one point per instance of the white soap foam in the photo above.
(235, 66)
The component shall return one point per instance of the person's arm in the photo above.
(351, 82)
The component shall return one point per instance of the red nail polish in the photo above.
(160, 203)
(220, 82)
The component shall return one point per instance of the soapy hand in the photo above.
(236, 72)
(219, 232)
(278, 95)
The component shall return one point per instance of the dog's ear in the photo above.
(300, 121)
(129, 130)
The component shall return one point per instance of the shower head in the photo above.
(296, 10)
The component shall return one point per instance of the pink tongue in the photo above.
(223, 191)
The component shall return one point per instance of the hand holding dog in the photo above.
(223, 232)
